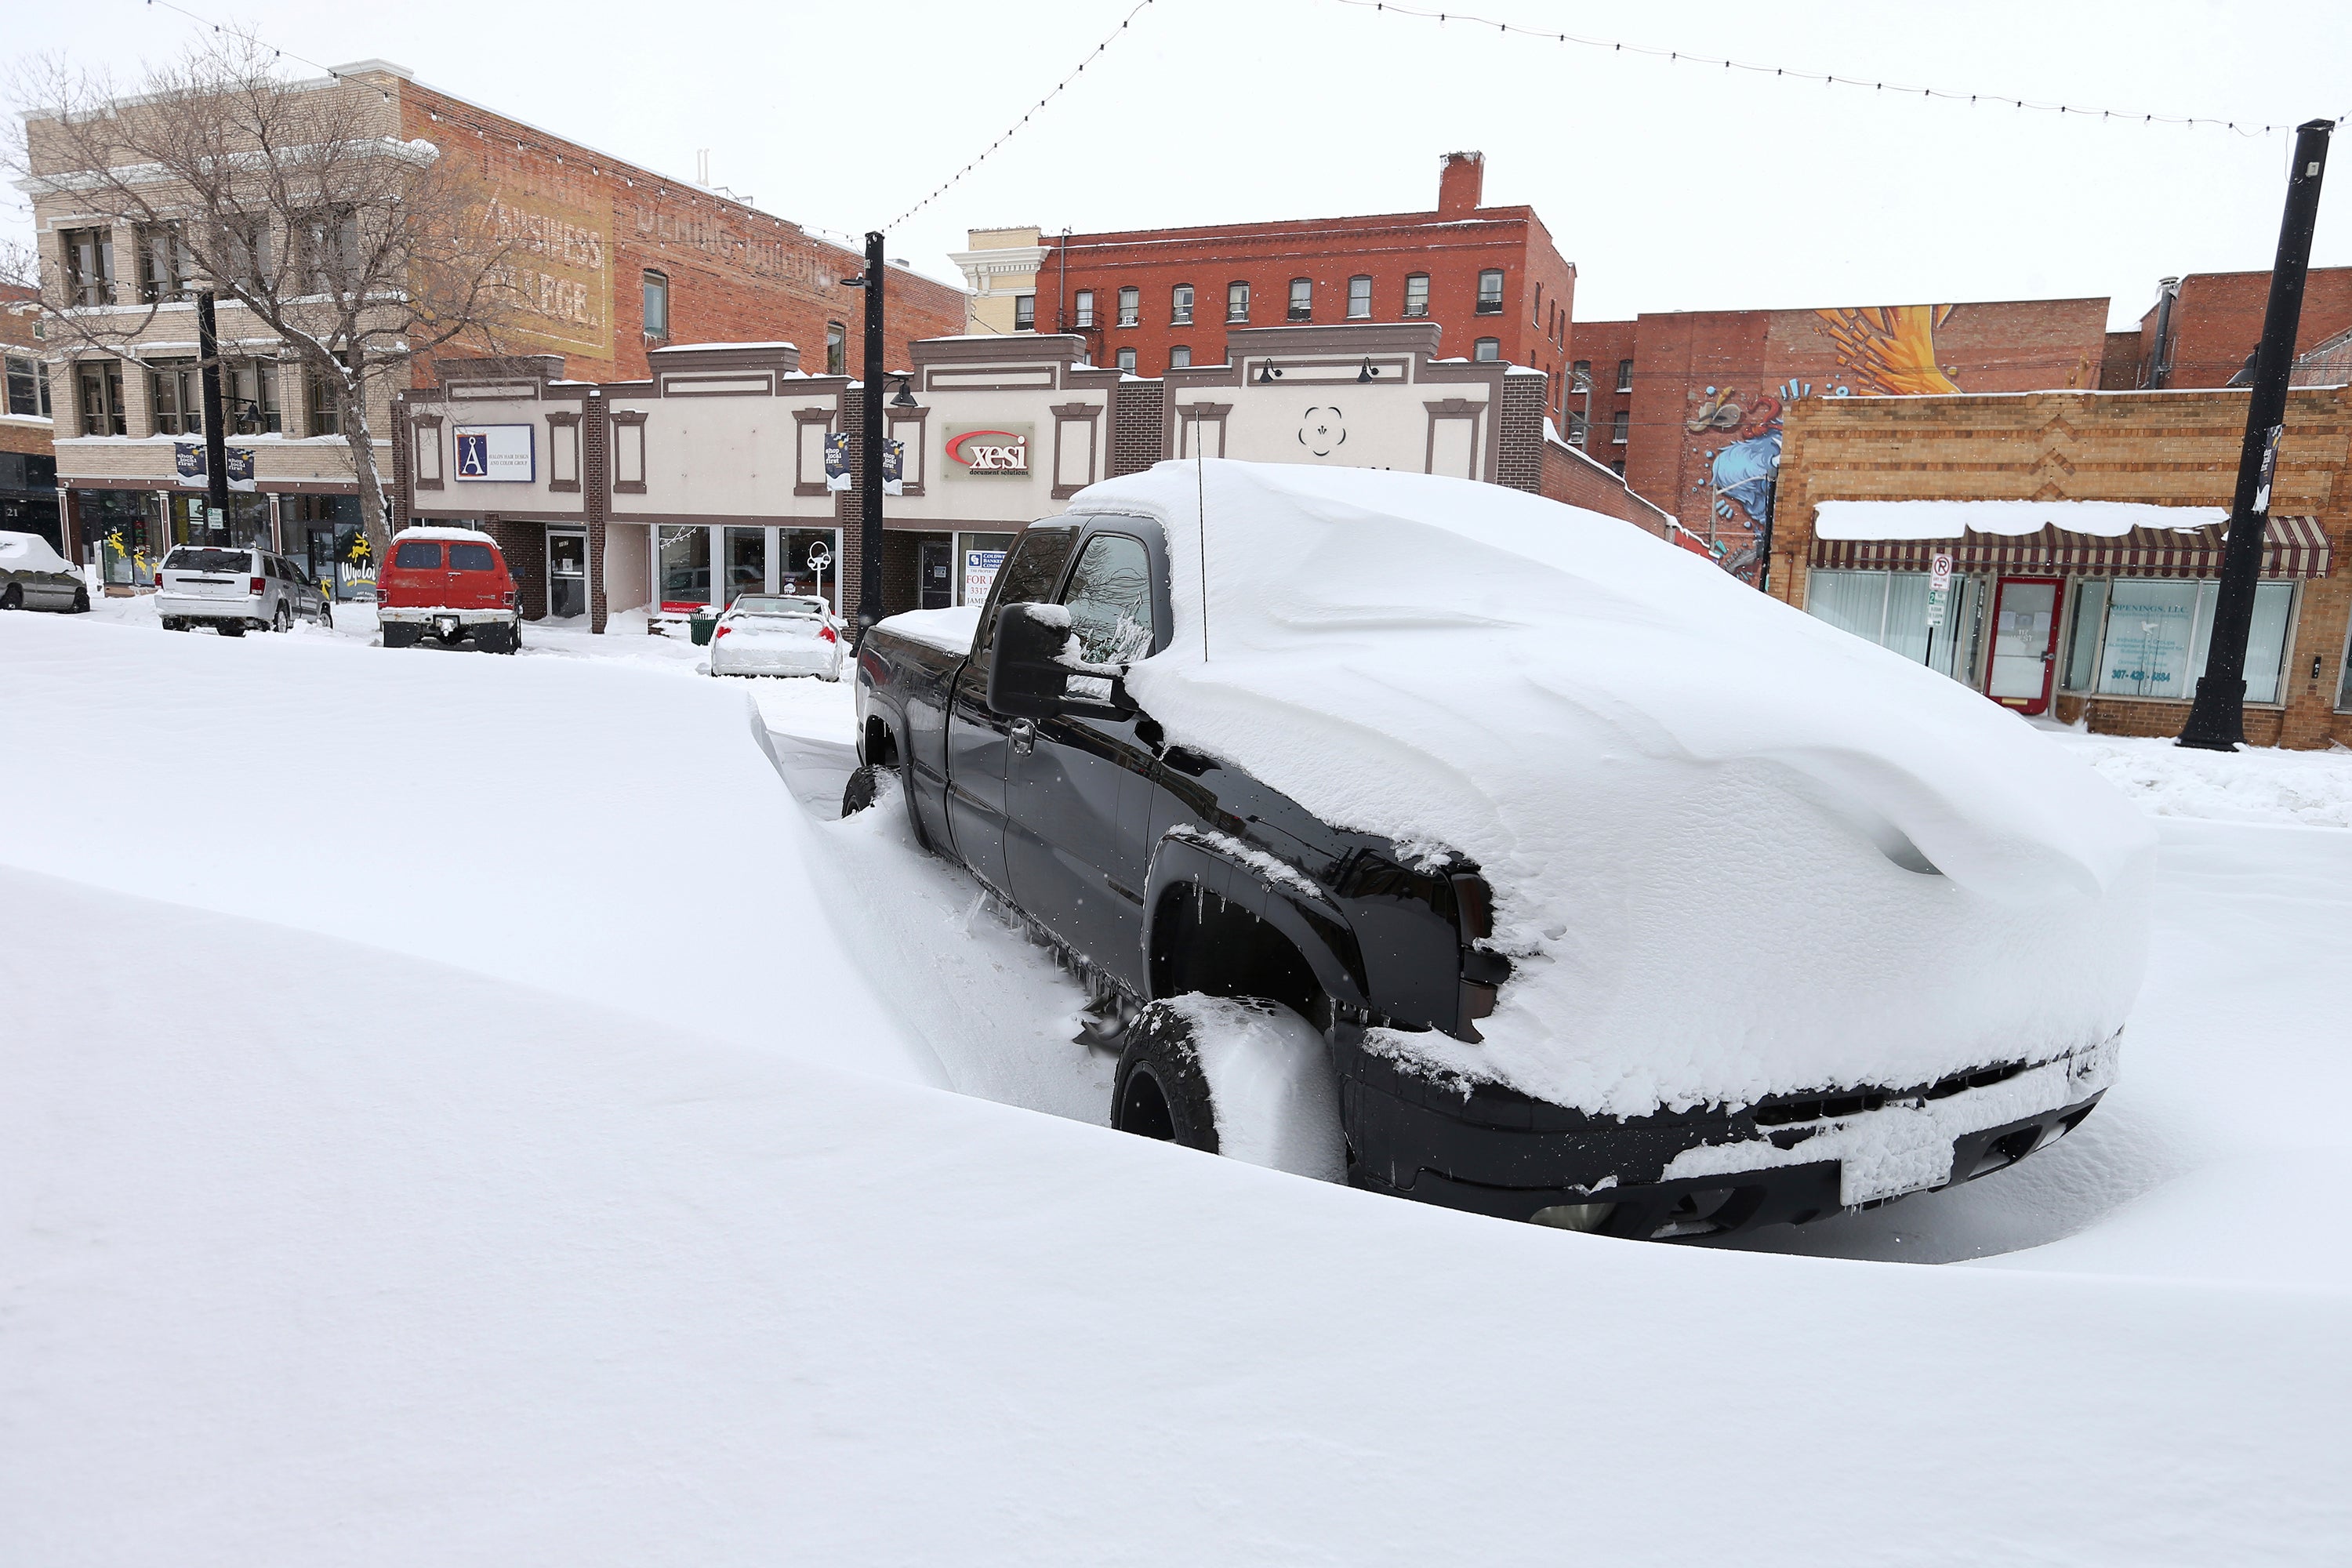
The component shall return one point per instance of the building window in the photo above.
(1130, 307)
(1126, 361)
(1180, 305)
(90, 265)
(1490, 291)
(1302, 299)
(657, 305)
(1360, 299)
(329, 238)
(250, 397)
(28, 386)
(98, 388)
(1237, 301)
(1580, 376)
(1024, 312)
(1575, 428)
(1179, 358)
(836, 349)
(1617, 467)
(1086, 309)
(1488, 350)
(324, 400)
(2139, 636)
(163, 264)
(176, 394)
(1624, 375)
(1621, 424)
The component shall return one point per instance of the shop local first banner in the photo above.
(496, 454)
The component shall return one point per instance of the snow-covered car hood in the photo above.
(1735, 851)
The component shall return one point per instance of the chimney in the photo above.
(1461, 182)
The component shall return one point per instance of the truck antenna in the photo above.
(1200, 468)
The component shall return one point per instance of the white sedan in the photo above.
(777, 634)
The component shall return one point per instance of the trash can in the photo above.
(700, 627)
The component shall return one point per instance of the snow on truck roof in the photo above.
(1735, 851)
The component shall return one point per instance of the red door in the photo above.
(2024, 643)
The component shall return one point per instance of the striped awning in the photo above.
(2292, 547)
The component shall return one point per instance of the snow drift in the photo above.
(1735, 850)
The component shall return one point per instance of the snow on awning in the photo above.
(1954, 518)
(2292, 547)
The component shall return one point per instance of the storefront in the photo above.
(699, 566)
(126, 532)
(2083, 533)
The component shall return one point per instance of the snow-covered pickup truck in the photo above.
(1495, 854)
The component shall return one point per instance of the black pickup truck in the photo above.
(1161, 873)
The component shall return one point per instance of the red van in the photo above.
(451, 582)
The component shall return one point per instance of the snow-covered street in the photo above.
(569, 1142)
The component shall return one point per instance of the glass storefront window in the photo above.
(685, 567)
(2157, 633)
(120, 523)
(2083, 640)
(747, 562)
(797, 572)
(1889, 608)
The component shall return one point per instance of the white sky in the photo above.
(1671, 186)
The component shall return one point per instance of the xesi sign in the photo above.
(988, 450)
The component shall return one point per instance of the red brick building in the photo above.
(2203, 327)
(1150, 300)
(1598, 417)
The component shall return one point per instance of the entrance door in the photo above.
(937, 581)
(2024, 643)
(567, 575)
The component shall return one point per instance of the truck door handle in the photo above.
(1024, 736)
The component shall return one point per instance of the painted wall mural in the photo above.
(1880, 350)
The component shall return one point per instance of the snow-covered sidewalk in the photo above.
(537, 1151)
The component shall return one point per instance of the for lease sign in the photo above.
(983, 451)
(495, 453)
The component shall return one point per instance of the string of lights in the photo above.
(1898, 90)
(276, 53)
(954, 180)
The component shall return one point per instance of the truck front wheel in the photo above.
(1234, 1076)
(864, 788)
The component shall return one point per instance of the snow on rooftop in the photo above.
(693, 347)
(1952, 519)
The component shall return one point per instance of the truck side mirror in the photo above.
(1027, 679)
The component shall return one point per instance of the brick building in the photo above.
(1148, 300)
(2085, 529)
(614, 261)
(2202, 329)
(28, 467)
(1598, 417)
(1692, 402)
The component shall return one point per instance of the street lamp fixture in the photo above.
(1268, 372)
(1369, 372)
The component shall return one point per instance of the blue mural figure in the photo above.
(1744, 473)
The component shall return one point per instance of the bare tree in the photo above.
(358, 250)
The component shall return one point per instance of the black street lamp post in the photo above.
(2217, 719)
(869, 457)
(208, 370)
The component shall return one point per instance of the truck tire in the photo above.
(229, 629)
(1234, 1076)
(400, 634)
(865, 786)
(81, 606)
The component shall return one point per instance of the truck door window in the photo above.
(1028, 577)
(1110, 597)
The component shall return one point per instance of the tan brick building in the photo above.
(29, 470)
(615, 262)
(2085, 531)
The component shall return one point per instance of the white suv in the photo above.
(232, 590)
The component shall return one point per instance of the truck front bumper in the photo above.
(1680, 1176)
